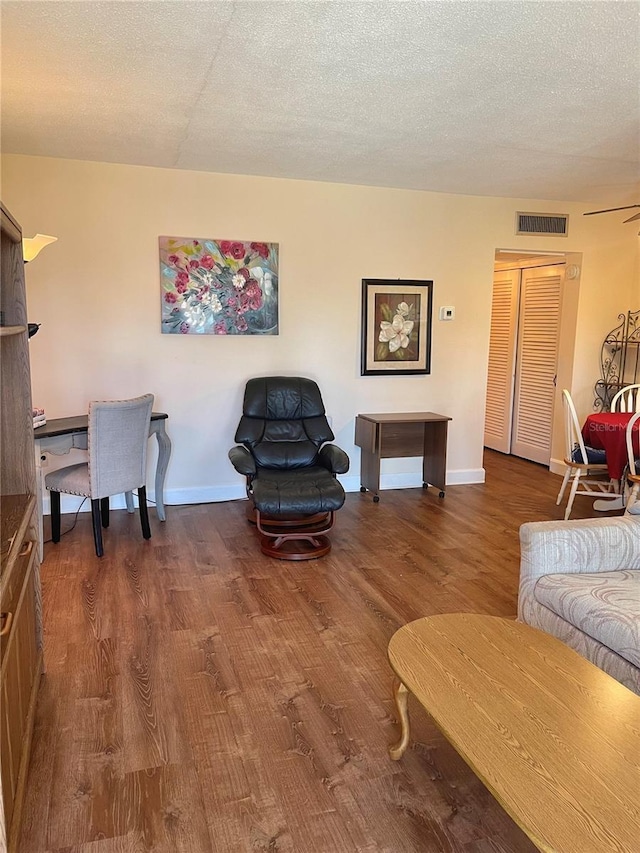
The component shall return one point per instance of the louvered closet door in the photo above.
(502, 355)
(536, 362)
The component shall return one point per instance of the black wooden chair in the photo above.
(290, 468)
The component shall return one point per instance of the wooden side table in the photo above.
(397, 434)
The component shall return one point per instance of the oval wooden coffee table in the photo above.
(555, 739)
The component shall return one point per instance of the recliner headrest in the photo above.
(282, 398)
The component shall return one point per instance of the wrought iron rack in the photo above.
(619, 359)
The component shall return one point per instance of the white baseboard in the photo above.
(557, 466)
(172, 497)
(466, 476)
(234, 492)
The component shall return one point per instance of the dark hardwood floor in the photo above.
(201, 697)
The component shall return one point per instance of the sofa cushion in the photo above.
(603, 605)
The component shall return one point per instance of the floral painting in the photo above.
(396, 326)
(218, 287)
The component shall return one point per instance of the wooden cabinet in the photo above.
(20, 596)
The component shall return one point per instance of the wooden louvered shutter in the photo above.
(502, 352)
(536, 362)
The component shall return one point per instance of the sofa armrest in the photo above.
(587, 545)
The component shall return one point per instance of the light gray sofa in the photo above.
(580, 581)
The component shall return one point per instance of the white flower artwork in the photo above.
(396, 326)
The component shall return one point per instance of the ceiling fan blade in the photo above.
(611, 209)
(633, 218)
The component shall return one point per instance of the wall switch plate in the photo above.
(447, 312)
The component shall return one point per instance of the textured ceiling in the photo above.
(521, 99)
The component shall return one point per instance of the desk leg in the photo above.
(164, 453)
(401, 696)
(39, 498)
(370, 473)
(434, 462)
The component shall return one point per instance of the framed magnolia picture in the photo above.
(218, 287)
(396, 326)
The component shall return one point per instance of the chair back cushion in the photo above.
(283, 421)
(118, 438)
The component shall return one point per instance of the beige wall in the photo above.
(96, 293)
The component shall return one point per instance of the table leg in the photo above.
(401, 696)
(609, 504)
(434, 460)
(370, 473)
(616, 499)
(164, 452)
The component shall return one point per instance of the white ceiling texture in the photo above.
(521, 99)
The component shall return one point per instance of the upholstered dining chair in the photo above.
(289, 465)
(117, 443)
(633, 468)
(626, 400)
(585, 466)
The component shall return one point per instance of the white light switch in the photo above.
(447, 312)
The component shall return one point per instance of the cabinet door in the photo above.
(19, 671)
(8, 778)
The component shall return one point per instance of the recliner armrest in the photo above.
(242, 461)
(334, 459)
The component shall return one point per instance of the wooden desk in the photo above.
(555, 739)
(61, 435)
(396, 434)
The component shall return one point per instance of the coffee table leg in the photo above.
(401, 695)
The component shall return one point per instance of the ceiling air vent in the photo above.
(542, 223)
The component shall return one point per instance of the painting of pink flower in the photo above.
(261, 248)
(218, 287)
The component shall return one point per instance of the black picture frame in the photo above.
(396, 327)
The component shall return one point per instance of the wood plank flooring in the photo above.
(202, 697)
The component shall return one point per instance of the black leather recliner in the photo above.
(290, 469)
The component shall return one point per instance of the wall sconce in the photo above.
(32, 246)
